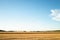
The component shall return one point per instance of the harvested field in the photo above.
(29, 36)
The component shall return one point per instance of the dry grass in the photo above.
(29, 36)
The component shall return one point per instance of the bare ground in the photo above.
(29, 36)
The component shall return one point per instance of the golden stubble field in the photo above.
(29, 36)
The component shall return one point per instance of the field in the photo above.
(29, 36)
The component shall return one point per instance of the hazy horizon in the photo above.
(30, 15)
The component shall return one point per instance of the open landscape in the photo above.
(29, 19)
(29, 35)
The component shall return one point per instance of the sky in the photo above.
(29, 15)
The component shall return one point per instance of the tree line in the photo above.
(32, 31)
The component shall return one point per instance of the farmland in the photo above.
(29, 35)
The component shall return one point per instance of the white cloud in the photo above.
(55, 14)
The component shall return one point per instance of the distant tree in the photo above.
(24, 31)
(37, 31)
(10, 31)
(57, 31)
(2, 31)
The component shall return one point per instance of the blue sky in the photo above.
(29, 15)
